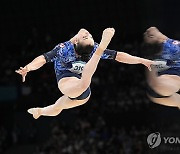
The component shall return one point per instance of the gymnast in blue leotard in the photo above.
(164, 80)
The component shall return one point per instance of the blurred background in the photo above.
(118, 117)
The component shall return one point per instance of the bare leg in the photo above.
(63, 102)
(73, 87)
(164, 85)
(173, 100)
(167, 85)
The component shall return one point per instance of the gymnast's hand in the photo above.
(23, 71)
(147, 63)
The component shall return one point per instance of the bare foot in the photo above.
(107, 35)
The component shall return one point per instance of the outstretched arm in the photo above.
(34, 65)
(129, 59)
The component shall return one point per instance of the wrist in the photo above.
(140, 61)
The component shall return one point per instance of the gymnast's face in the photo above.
(152, 35)
(84, 37)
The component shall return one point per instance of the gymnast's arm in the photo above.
(126, 58)
(129, 59)
(38, 62)
(34, 65)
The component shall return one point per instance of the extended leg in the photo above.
(173, 100)
(73, 87)
(164, 85)
(63, 102)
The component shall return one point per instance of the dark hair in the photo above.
(151, 50)
(83, 51)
